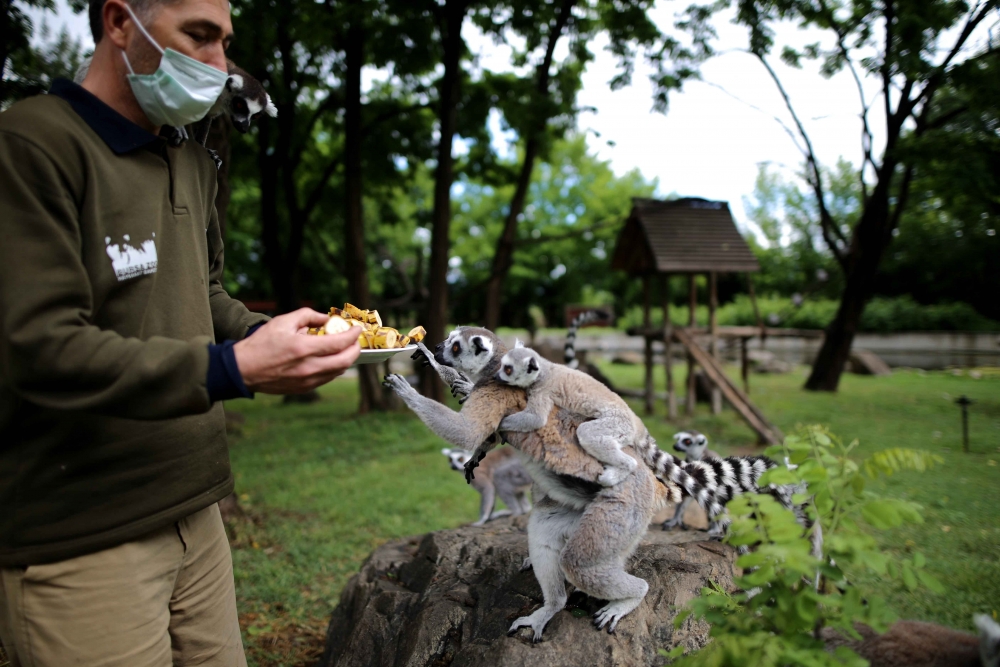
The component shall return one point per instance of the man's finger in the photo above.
(330, 363)
(331, 344)
(305, 317)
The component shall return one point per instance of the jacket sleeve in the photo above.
(50, 353)
(230, 317)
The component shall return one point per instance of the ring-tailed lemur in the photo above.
(577, 531)
(500, 474)
(242, 99)
(582, 319)
(694, 446)
(613, 425)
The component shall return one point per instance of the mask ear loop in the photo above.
(142, 28)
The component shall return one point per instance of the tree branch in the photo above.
(546, 238)
(831, 232)
(317, 192)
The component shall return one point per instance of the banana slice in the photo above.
(335, 325)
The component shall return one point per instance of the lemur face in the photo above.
(519, 367)
(457, 458)
(692, 443)
(467, 349)
(247, 101)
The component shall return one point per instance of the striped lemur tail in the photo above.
(586, 317)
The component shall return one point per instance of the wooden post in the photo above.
(668, 334)
(713, 327)
(692, 304)
(744, 365)
(646, 330)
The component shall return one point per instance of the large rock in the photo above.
(448, 598)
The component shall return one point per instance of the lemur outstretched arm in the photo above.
(532, 418)
(460, 385)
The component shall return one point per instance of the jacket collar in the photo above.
(118, 132)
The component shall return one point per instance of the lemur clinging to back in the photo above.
(578, 530)
(500, 474)
(613, 425)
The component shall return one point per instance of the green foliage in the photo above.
(882, 315)
(800, 593)
(29, 69)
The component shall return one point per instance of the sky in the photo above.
(717, 130)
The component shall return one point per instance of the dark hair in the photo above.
(142, 9)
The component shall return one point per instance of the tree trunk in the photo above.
(355, 260)
(437, 305)
(871, 237)
(218, 140)
(503, 258)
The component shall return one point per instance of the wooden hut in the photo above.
(688, 236)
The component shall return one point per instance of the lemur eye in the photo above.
(455, 348)
(509, 370)
(687, 441)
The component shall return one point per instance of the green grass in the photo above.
(323, 487)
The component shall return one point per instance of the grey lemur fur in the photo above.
(500, 474)
(586, 317)
(242, 99)
(577, 531)
(613, 425)
(694, 446)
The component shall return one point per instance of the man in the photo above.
(117, 344)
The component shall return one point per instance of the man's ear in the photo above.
(532, 365)
(477, 343)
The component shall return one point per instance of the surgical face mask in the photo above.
(180, 91)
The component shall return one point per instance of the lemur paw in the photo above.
(611, 475)
(670, 524)
(611, 613)
(461, 388)
(398, 384)
(470, 465)
(536, 621)
(422, 356)
(215, 158)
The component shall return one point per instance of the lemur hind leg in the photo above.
(548, 530)
(678, 519)
(601, 439)
(610, 529)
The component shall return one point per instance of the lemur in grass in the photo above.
(501, 474)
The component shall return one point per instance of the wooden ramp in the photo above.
(740, 401)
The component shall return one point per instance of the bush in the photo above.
(800, 594)
(881, 315)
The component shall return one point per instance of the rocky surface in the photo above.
(448, 598)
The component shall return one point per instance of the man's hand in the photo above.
(278, 359)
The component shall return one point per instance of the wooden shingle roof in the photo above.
(689, 235)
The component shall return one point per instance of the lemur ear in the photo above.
(270, 109)
(518, 343)
(532, 365)
(477, 343)
(446, 451)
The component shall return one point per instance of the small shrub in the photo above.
(799, 593)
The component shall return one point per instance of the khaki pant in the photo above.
(165, 599)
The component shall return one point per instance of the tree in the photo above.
(543, 108)
(913, 49)
(28, 70)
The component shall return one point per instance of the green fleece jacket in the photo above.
(110, 266)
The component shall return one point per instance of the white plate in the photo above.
(375, 356)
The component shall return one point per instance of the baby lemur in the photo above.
(613, 425)
(500, 473)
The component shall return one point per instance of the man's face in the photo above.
(200, 29)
